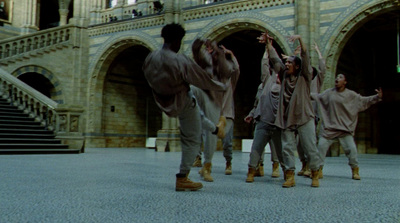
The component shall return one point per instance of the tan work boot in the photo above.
(259, 171)
(221, 127)
(183, 183)
(250, 175)
(321, 174)
(228, 168)
(197, 162)
(275, 170)
(205, 172)
(355, 174)
(289, 179)
(303, 168)
(315, 178)
(307, 172)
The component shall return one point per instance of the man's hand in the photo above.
(293, 38)
(265, 38)
(379, 92)
(317, 49)
(248, 119)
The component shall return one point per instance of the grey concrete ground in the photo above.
(138, 185)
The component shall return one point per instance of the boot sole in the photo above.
(188, 189)
(288, 186)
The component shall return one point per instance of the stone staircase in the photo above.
(21, 134)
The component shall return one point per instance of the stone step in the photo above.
(27, 136)
(29, 141)
(28, 127)
(38, 151)
(25, 131)
(32, 146)
(18, 122)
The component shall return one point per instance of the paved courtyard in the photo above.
(138, 185)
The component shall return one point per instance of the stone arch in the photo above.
(103, 58)
(228, 24)
(57, 94)
(345, 26)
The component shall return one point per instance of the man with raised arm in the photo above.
(170, 75)
(295, 114)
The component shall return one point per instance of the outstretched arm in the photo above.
(235, 66)
(265, 68)
(366, 102)
(277, 64)
(305, 58)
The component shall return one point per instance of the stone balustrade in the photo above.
(29, 100)
(27, 43)
(64, 120)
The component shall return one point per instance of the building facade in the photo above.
(86, 56)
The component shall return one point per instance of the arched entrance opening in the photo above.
(249, 53)
(39, 83)
(49, 14)
(129, 113)
(369, 61)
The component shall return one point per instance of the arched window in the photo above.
(111, 3)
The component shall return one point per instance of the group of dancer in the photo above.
(199, 92)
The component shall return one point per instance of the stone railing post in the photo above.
(69, 125)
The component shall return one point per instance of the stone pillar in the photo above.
(81, 13)
(315, 30)
(302, 18)
(63, 16)
(69, 125)
(95, 17)
(143, 6)
(30, 23)
(118, 10)
(173, 11)
(168, 138)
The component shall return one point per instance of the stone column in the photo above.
(302, 18)
(63, 16)
(173, 11)
(315, 30)
(143, 6)
(81, 13)
(30, 23)
(95, 17)
(118, 10)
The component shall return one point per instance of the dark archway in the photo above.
(38, 82)
(249, 53)
(369, 61)
(49, 14)
(129, 110)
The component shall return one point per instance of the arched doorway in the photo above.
(249, 53)
(49, 14)
(369, 61)
(39, 83)
(129, 113)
